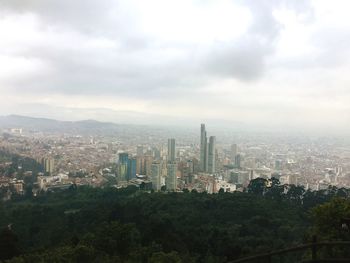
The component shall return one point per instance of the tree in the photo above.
(8, 244)
(329, 219)
(221, 191)
(257, 186)
(295, 193)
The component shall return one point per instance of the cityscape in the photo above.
(187, 131)
(202, 163)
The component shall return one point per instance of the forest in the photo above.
(84, 224)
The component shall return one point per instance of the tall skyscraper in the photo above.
(171, 150)
(207, 152)
(171, 179)
(234, 151)
(132, 166)
(203, 149)
(139, 150)
(48, 164)
(123, 157)
(147, 165)
(211, 155)
(123, 166)
(238, 161)
(156, 153)
(139, 165)
(156, 175)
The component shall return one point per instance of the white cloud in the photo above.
(250, 61)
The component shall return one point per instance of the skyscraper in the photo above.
(123, 166)
(156, 153)
(234, 151)
(49, 165)
(132, 168)
(203, 149)
(147, 165)
(171, 150)
(238, 161)
(139, 150)
(123, 157)
(171, 179)
(139, 165)
(207, 152)
(156, 175)
(211, 155)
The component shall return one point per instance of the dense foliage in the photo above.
(108, 225)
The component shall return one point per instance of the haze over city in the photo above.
(187, 131)
(274, 65)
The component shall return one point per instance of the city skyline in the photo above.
(271, 65)
(174, 131)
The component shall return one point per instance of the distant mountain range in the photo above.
(50, 125)
(86, 127)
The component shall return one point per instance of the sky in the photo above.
(278, 64)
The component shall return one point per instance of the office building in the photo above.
(147, 165)
(171, 179)
(238, 160)
(132, 167)
(207, 152)
(211, 155)
(156, 169)
(203, 149)
(123, 166)
(49, 165)
(139, 150)
(234, 151)
(123, 158)
(171, 150)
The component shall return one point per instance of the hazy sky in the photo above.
(264, 62)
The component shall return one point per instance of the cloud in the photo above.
(245, 58)
(126, 59)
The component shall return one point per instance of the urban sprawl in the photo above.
(160, 164)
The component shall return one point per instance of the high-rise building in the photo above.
(123, 166)
(171, 150)
(147, 163)
(139, 150)
(234, 151)
(156, 153)
(49, 165)
(123, 157)
(211, 155)
(156, 168)
(207, 152)
(139, 165)
(238, 160)
(132, 165)
(203, 149)
(122, 172)
(171, 179)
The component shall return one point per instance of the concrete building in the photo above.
(171, 179)
(207, 152)
(139, 150)
(171, 150)
(156, 169)
(132, 167)
(211, 155)
(234, 151)
(123, 166)
(49, 165)
(203, 149)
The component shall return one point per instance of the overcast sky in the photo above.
(261, 62)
